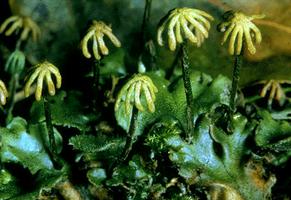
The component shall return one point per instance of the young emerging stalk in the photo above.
(241, 31)
(13, 84)
(192, 25)
(14, 66)
(146, 18)
(148, 52)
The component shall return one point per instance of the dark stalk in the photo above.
(235, 80)
(13, 84)
(188, 91)
(52, 149)
(129, 141)
(96, 76)
(130, 134)
(49, 126)
(148, 53)
(146, 19)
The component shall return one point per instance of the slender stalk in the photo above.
(13, 84)
(146, 19)
(148, 52)
(49, 125)
(235, 80)
(96, 76)
(12, 90)
(129, 138)
(52, 149)
(18, 44)
(188, 91)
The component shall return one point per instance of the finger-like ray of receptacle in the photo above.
(280, 93)
(112, 37)
(30, 81)
(39, 85)
(153, 91)
(273, 90)
(265, 89)
(95, 48)
(257, 32)
(200, 37)
(57, 74)
(50, 84)
(8, 21)
(201, 19)
(129, 98)
(203, 13)
(84, 44)
(178, 32)
(233, 37)
(104, 50)
(160, 33)
(137, 96)
(249, 41)
(3, 98)
(227, 32)
(197, 25)
(239, 41)
(25, 33)
(3, 93)
(35, 31)
(149, 98)
(17, 24)
(187, 31)
(171, 35)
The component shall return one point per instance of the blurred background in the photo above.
(64, 22)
